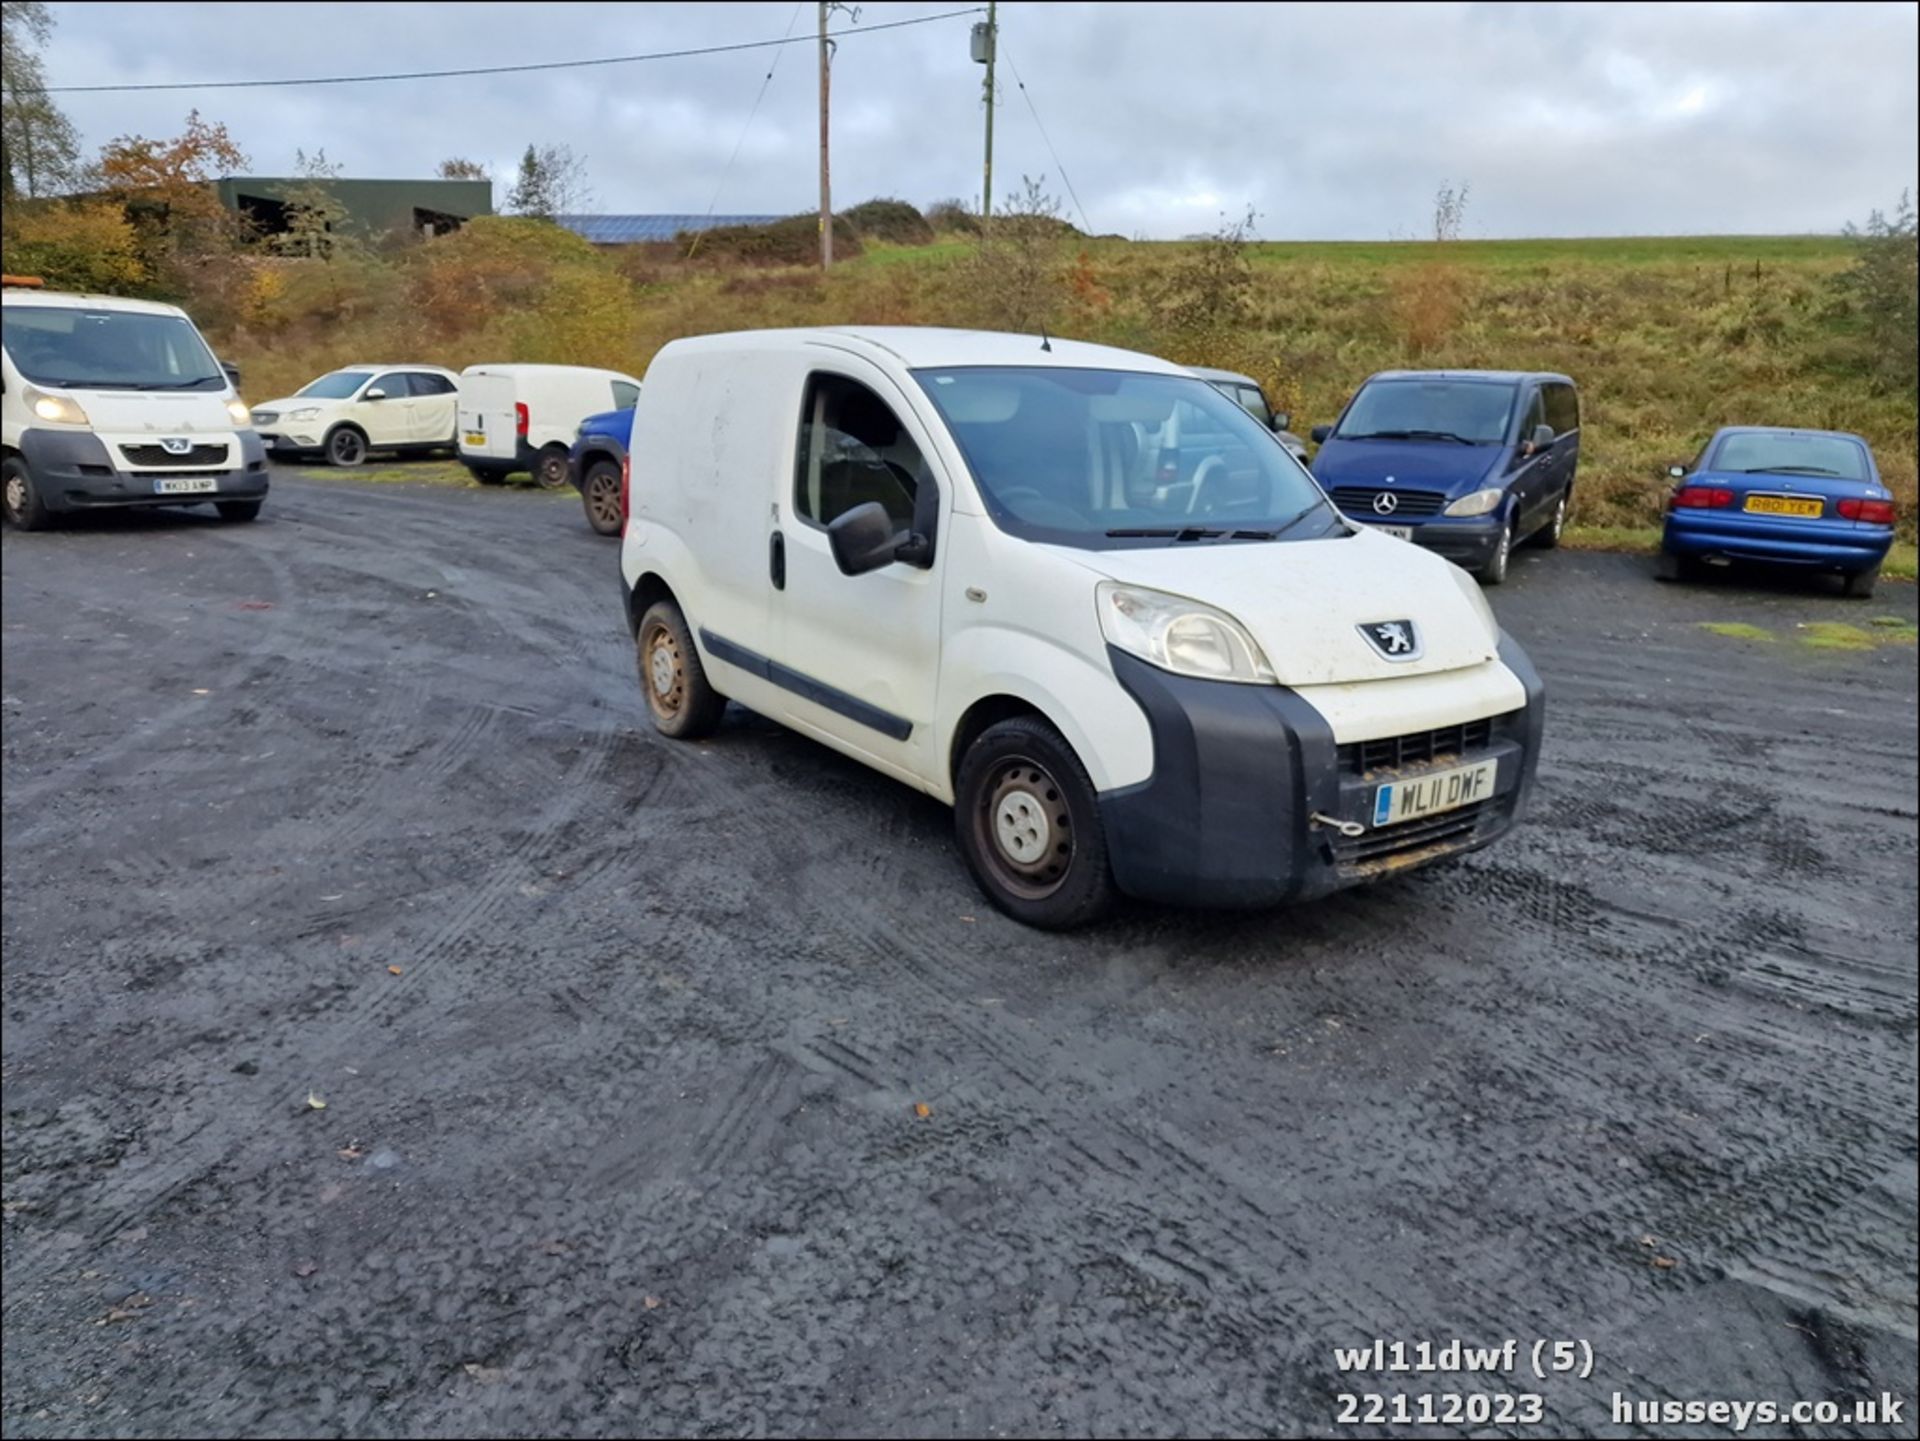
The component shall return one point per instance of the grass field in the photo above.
(1668, 337)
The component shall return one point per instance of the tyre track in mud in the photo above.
(665, 1011)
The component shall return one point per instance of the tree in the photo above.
(458, 167)
(1884, 284)
(41, 150)
(1449, 210)
(167, 187)
(552, 181)
(314, 212)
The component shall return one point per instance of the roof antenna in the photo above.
(1045, 344)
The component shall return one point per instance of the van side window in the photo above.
(853, 449)
(626, 395)
(1563, 407)
(1536, 415)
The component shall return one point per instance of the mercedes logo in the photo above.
(1386, 503)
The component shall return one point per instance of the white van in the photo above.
(524, 417)
(949, 555)
(109, 402)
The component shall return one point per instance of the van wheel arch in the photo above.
(985, 712)
(648, 589)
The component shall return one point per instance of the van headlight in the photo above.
(1479, 503)
(239, 414)
(1180, 635)
(60, 409)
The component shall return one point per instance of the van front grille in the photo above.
(1358, 500)
(1416, 747)
(1379, 848)
(159, 455)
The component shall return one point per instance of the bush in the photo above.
(893, 222)
(793, 241)
(1884, 285)
(79, 245)
(952, 217)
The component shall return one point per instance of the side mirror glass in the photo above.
(864, 539)
(1282, 421)
(1320, 434)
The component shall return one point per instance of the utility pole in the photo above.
(826, 192)
(985, 42)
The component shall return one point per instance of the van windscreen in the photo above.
(1472, 412)
(65, 346)
(1105, 459)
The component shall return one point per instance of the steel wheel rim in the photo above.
(663, 671)
(552, 473)
(603, 500)
(1024, 828)
(16, 495)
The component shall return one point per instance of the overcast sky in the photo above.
(1332, 121)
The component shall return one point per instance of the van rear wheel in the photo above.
(683, 703)
(550, 467)
(1028, 823)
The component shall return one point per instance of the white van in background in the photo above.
(107, 403)
(524, 417)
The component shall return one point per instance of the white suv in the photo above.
(348, 413)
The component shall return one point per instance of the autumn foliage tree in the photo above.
(167, 187)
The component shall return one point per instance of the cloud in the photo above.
(1332, 121)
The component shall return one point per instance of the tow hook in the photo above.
(1349, 829)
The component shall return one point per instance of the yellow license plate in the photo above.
(1784, 505)
(476, 437)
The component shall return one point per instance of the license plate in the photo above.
(1398, 532)
(476, 437)
(185, 484)
(1784, 505)
(1429, 795)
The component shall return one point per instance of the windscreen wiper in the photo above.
(1409, 435)
(1186, 532)
(1297, 517)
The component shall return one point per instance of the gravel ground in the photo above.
(620, 1042)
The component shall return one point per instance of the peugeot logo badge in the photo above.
(1386, 503)
(175, 444)
(1394, 639)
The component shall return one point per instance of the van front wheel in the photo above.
(1028, 822)
(684, 705)
(23, 506)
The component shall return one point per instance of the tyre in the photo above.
(600, 494)
(1494, 572)
(487, 474)
(345, 446)
(238, 510)
(550, 467)
(1028, 823)
(680, 699)
(1861, 583)
(18, 498)
(1548, 536)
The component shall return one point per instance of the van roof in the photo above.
(70, 300)
(515, 368)
(1508, 376)
(930, 347)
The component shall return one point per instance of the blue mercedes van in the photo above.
(1469, 463)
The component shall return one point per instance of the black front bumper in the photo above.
(74, 470)
(1468, 543)
(1240, 771)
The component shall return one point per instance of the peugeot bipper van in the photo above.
(952, 556)
(110, 402)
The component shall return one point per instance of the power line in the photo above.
(720, 184)
(1085, 224)
(789, 39)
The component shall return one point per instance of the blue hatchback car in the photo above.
(1469, 463)
(1791, 497)
(597, 466)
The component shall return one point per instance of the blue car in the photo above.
(597, 466)
(1810, 498)
(1469, 463)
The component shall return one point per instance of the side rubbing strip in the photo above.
(805, 686)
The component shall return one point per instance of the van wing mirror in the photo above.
(1542, 437)
(1282, 420)
(1678, 472)
(865, 538)
(232, 373)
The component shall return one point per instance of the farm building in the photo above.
(372, 207)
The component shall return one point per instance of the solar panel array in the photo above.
(634, 229)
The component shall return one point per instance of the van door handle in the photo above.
(777, 560)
